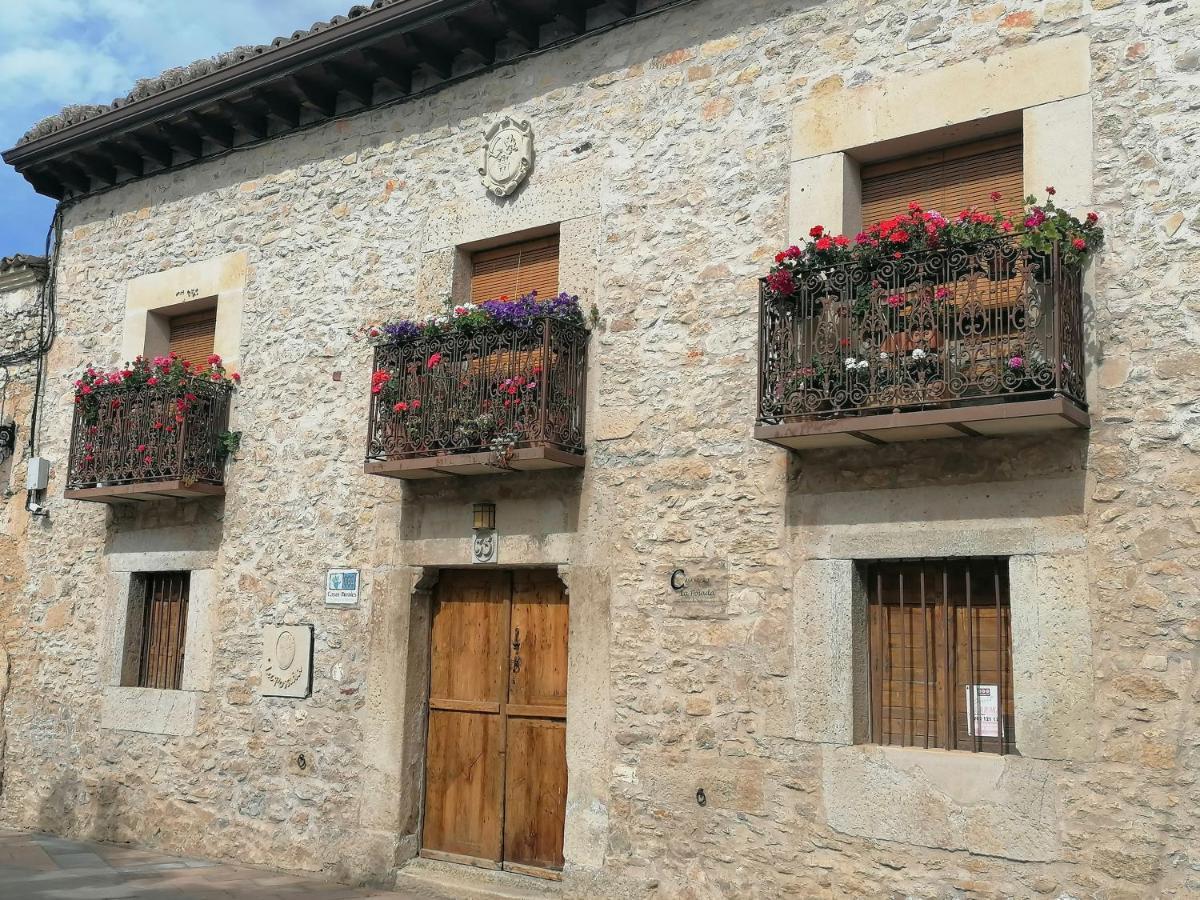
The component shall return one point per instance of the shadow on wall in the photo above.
(71, 810)
(166, 526)
(968, 479)
(536, 504)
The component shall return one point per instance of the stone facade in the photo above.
(664, 151)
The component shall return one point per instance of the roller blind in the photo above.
(192, 336)
(948, 180)
(515, 270)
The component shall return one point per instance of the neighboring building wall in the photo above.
(20, 325)
(665, 151)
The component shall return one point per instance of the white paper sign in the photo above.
(341, 587)
(987, 710)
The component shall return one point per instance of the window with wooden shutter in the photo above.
(192, 336)
(948, 180)
(163, 631)
(515, 270)
(939, 654)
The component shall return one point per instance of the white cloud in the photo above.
(59, 52)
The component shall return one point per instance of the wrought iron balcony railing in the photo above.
(137, 443)
(932, 344)
(502, 397)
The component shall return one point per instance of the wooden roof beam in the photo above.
(573, 13)
(46, 182)
(181, 138)
(389, 69)
(220, 132)
(282, 106)
(125, 158)
(253, 123)
(152, 148)
(97, 167)
(313, 95)
(517, 25)
(431, 55)
(354, 83)
(483, 45)
(624, 7)
(70, 174)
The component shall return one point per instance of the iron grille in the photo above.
(151, 433)
(497, 388)
(164, 630)
(935, 328)
(939, 654)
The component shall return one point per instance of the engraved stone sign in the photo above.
(287, 660)
(698, 589)
(507, 156)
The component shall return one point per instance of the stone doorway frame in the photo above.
(396, 714)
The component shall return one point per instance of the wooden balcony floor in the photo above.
(852, 430)
(448, 465)
(145, 492)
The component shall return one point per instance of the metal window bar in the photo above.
(891, 695)
(164, 630)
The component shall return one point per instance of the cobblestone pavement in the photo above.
(43, 867)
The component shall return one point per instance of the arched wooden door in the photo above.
(496, 765)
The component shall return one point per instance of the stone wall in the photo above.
(670, 142)
(19, 330)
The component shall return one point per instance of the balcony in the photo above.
(149, 442)
(494, 400)
(934, 344)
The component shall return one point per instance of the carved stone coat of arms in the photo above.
(507, 156)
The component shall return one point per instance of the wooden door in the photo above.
(496, 785)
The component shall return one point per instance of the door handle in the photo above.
(516, 645)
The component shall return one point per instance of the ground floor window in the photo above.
(939, 654)
(156, 632)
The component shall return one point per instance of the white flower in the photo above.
(918, 354)
(862, 364)
(884, 356)
(851, 362)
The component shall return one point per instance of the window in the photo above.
(939, 654)
(515, 270)
(948, 180)
(192, 336)
(156, 630)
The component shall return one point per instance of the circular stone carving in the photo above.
(507, 156)
(285, 650)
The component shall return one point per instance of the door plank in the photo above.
(535, 804)
(464, 757)
(538, 636)
(536, 767)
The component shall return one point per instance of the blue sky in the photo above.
(58, 52)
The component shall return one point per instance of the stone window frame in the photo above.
(153, 710)
(568, 204)
(948, 799)
(152, 300)
(1042, 89)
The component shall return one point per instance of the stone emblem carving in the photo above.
(507, 156)
(287, 656)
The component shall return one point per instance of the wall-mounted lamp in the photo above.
(484, 517)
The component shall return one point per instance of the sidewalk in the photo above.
(43, 867)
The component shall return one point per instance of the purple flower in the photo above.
(1016, 362)
(523, 312)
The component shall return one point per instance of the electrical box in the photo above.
(39, 473)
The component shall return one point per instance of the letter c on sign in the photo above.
(678, 580)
